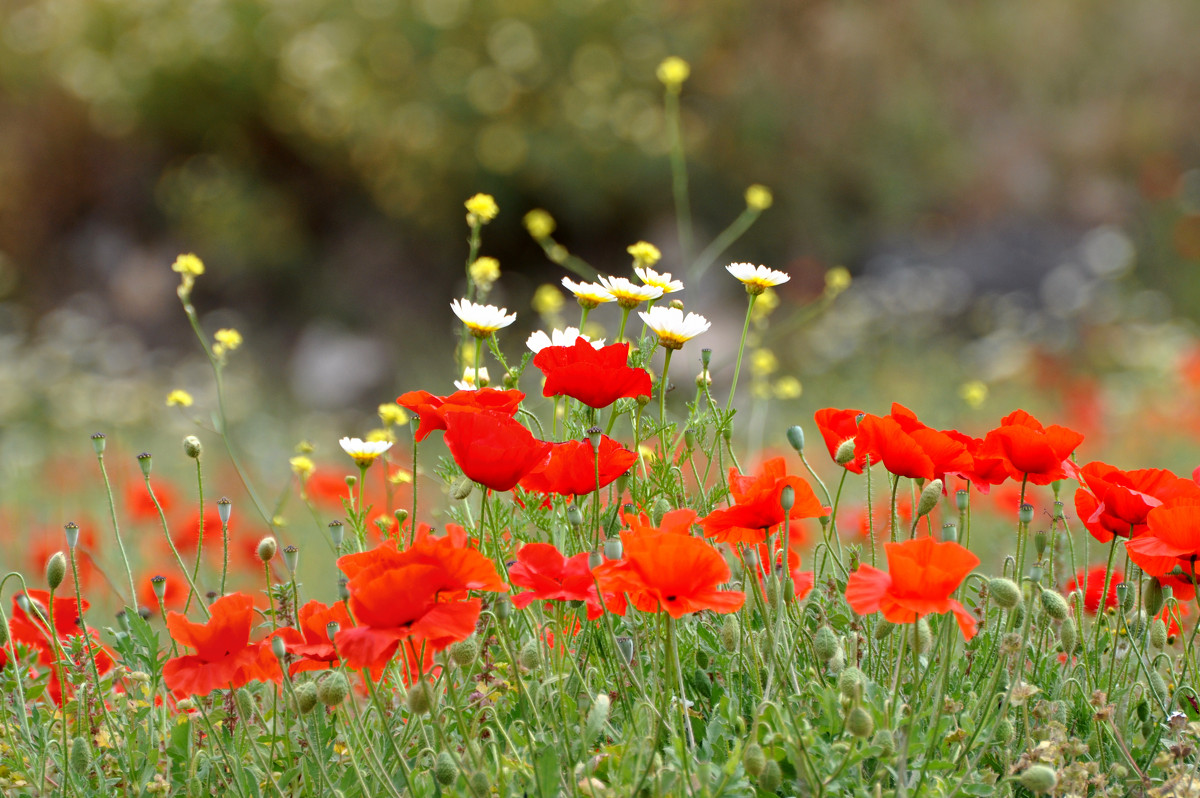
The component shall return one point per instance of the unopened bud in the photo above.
(883, 629)
(3, 632)
(1158, 634)
(754, 760)
(144, 462)
(597, 717)
(924, 636)
(224, 508)
(502, 607)
(660, 508)
(530, 656)
(1152, 597)
(1004, 731)
(771, 777)
(930, 495)
(56, 570)
(1005, 592)
(278, 647)
(421, 698)
(595, 559)
(1039, 779)
(787, 499)
(795, 436)
(192, 447)
(401, 516)
(845, 452)
(81, 756)
(1068, 635)
(825, 643)
(860, 723)
(851, 681)
(1054, 605)
(333, 689)
(71, 532)
(306, 697)
(464, 652)
(461, 488)
(444, 769)
(267, 548)
(731, 633)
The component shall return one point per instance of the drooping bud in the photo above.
(461, 488)
(1005, 592)
(145, 461)
(845, 452)
(224, 508)
(1068, 635)
(731, 633)
(860, 723)
(56, 570)
(444, 769)
(278, 647)
(661, 507)
(4, 631)
(1039, 779)
(81, 756)
(595, 559)
(1054, 605)
(479, 784)
(401, 516)
(98, 442)
(930, 495)
(851, 681)
(531, 655)
(333, 689)
(421, 698)
(883, 629)
(754, 760)
(795, 436)
(192, 447)
(267, 548)
(464, 652)
(924, 636)
(1158, 634)
(771, 777)
(1004, 731)
(825, 643)
(306, 697)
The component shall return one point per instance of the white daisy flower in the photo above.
(468, 381)
(672, 327)
(588, 294)
(628, 293)
(481, 320)
(757, 278)
(663, 281)
(364, 452)
(539, 340)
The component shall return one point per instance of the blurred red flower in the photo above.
(921, 576)
(432, 409)
(570, 468)
(596, 377)
(224, 656)
(1091, 582)
(492, 449)
(758, 507)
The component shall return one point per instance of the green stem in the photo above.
(679, 178)
(112, 507)
(662, 403)
(737, 366)
(199, 537)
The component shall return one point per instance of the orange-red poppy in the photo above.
(1115, 502)
(1172, 539)
(551, 576)
(570, 469)
(1091, 582)
(432, 409)
(758, 507)
(1030, 451)
(596, 377)
(922, 574)
(224, 656)
(492, 449)
(311, 640)
(837, 427)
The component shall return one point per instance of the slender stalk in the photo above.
(199, 538)
(162, 517)
(112, 507)
(737, 366)
(679, 177)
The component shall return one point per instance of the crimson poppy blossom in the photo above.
(922, 574)
(550, 576)
(667, 571)
(758, 507)
(30, 624)
(837, 427)
(224, 656)
(311, 640)
(1030, 451)
(570, 468)
(492, 449)
(984, 471)
(1115, 502)
(1172, 539)
(432, 409)
(596, 377)
(1091, 582)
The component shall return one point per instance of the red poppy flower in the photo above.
(757, 507)
(552, 577)
(570, 468)
(311, 641)
(224, 656)
(596, 377)
(1091, 582)
(921, 576)
(493, 449)
(1172, 538)
(33, 630)
(1114, 502)
(802, 581)
(1030, 451)
(416, 595)
(837, 427)
(908, 448)
(984, 471)
(669, 571)
(432, 409)
(678, 522)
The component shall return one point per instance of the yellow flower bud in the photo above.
(482, 207)
(759, 197)
(179, 398)
(672, 72)
(539, 223)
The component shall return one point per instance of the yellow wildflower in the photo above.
(382, 435)
(226, 340)
(837, 280)
(179, 398)
(973, 392)
(644, 254)
(672, 72)
(788, 388)
(305, 447)
(400, 477)
(481, 209)
(392, 414)
(484, 273)
(548, 300)
(302, 466)
(763, 362)
(539, 223)
(188, 265)
(759, 197)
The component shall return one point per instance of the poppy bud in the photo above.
(306, 697)
(159, 585)
(1152, 597)
(795, 436)
(597, 717)
(750, 557)
(144, 462)
(401, 516)
(1068, 635)
(478, 782)
(950, 532)
(1025, 514)
(1004, 731)
(883, 629)
(267, 548)
(1054, 605)
(291, 558)
(464, 652)
(56, 570)
(613, 549)
(836, 664)
(850, 683)
(502, 607)
(98, 442)
(224, 507)
(771, 777)
(421, 698)
(787, 499)
(661, 507)
(924, 636)
(278, 647)
(1158, 634)
(625, 647)
(4, 631)
(731, 633)
(245, 703)
(444, 769)
(825, 643)
(885, 741)
(530, 657)
(333, 689)
(1137, 624)
(860, 723)
(192, 447)
(845, 452)
(1005, 592)
(1143, 711)
(754, 760)
(461, 488)
(81, 757)
(574, 515)
(930, 495)
(1039, 779)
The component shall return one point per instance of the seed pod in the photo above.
(1039, 779)
(464, 652)
(81, 757)
(98, 442)
(291, 558)
(1055, 605)
(613, 549)
(502, 607)
(771, 777)
(731, 633)
(574, 515)
(850, 683)
(962, 500)
(333, 689)
(949, 532)
(421, 698)
(1025, 513)
(444, 769)
(145, 461)
(1005, 592)
(306, 697)
(924, 636)
(1125, 597)
(1158, 634)
(1068, 635)
(595, 559)
(860, 723)
(754, 760)
(71, 533)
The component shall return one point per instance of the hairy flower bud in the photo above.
(754, 760)
(1039, 779)
(1004, 731)
(1152, 597)
(930, 495)
(1054, 605)
(1068, 635)
(4, 631)
(56, 570)
(267, 548)
(1005, 592)
(574, 515)
(850, 683)
(883, 629)
(771, 777)
(924, 636)
(502, 607)
(192, 447)
(333, 689)
(597, 717)
(421, 698)
(530, 656)
(81, 756)
(464, 652)
(444, 769)
(731, 633)
(825, 643)
(306, 697)
(1158, 634)
(461, 488)
(860, 723)
(845, 452)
